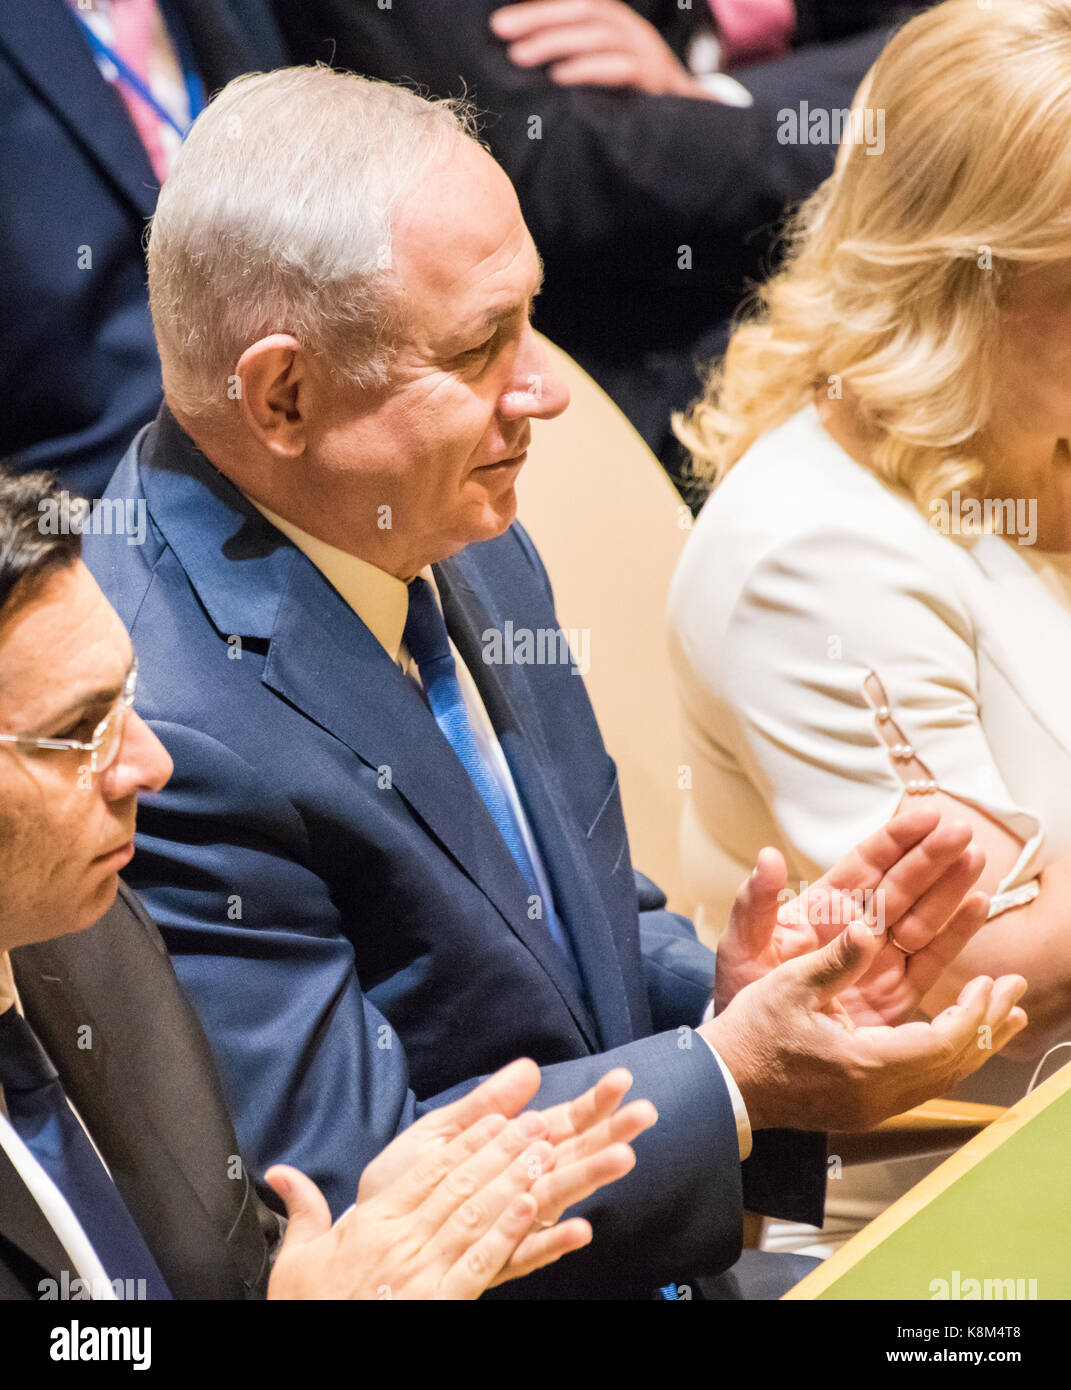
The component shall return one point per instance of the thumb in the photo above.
(755, 906)
(823, 974)
(306, 1206)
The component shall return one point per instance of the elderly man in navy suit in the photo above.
(387, 863)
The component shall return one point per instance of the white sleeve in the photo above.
(740, 1115)
(816, 617)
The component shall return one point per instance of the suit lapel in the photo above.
(470, 611)
(323, 660)
(23, 1223)
(43, 40)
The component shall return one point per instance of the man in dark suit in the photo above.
(653, 206)
(106, 1026)
(393, 853)
(75, 334)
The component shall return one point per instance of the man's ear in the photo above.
(274, 400)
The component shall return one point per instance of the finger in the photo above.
(506, 1092)
(818, 977)
(932, 1054)
(599, 1101)
(919, 869)
(307, 1211)
(619, 1128)
(595, 70)
(512, 21)
(927, 966)
(1013, 1024)
(924, 918)
(481, 1261)
(756, 904)
(469, 1196)
(542, 1248)
(565, 1186)
(560, 44)
(872, 858)
(956, 1028)
(1006, 993)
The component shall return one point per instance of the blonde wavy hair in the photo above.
(896, 268)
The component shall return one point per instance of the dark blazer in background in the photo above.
(80, 368)
(148, 1092)
(619, 181)
(342, 910)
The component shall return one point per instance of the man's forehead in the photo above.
(64, 634)
(460, 240)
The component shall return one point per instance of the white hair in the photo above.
(276, 218)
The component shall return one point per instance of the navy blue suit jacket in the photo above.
(80, 364)
(340, 906)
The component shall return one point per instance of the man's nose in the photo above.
(537, 390)
(142, 764)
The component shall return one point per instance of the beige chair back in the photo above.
(610, 526)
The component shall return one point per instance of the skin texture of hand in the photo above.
(599, 43)
(913, 877)
(447, 1210)
(802, 1064)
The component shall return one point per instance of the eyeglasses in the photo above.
(108, 735)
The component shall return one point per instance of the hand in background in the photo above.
(801, 1062)
(599, 43)
(447, 1210)
(912, 877)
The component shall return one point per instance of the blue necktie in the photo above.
(428, 644)
(41, 1117)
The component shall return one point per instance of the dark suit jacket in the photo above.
(80, 365)
(614, 183)
(149, 1094)
(340, 907)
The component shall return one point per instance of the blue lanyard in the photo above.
(194, 86)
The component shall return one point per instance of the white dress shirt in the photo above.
(381, 601)
(54, 1206)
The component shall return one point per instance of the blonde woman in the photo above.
(875, 602)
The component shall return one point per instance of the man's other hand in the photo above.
(468, 1197)
(802, 1063)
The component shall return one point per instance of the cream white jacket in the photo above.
(802, 575)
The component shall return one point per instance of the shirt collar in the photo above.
(379, 599)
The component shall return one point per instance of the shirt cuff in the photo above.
(725, 89)
(743, 1123)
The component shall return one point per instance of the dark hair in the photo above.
(35, 536)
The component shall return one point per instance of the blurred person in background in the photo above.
(654, 193)
(95, 96)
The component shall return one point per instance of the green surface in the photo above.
(1008, 1218)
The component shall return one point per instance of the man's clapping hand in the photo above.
(802, 1063)
(465, 1198)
